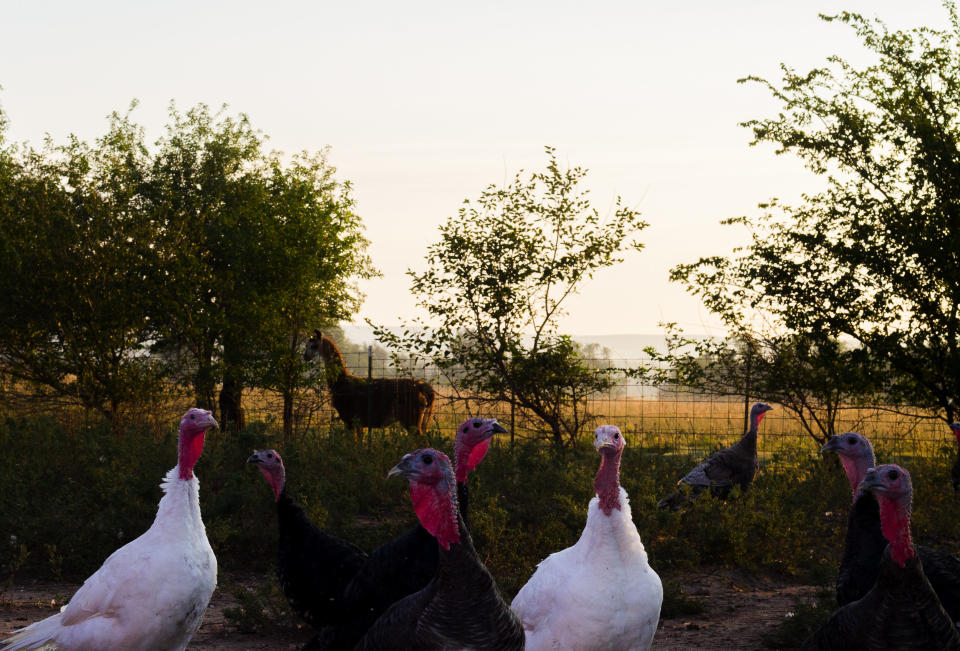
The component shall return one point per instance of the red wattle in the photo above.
(477, 454)
(895, 524)
(855, 473)
(607, 482)
(190, 451)
(435, 511)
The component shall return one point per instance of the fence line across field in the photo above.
(672, 419)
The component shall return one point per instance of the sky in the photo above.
(424, 104)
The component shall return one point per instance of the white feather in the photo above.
(598, 594)
(149, 595)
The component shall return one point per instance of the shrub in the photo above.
(72, 496)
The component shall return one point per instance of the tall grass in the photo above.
(71, 495)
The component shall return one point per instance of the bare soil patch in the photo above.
(740, 608)
(31, 602)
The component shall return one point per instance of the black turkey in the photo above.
(901, 610)
(721, 471)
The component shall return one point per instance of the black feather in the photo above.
(901, 611)
(399, 568)
(863, 551)
(313, 566)
(461, 607)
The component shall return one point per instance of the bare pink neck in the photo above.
(895, 524)
(190, 447)
(468, 458)
(607, 482)
(754, 425)
(856, 469)
(436, 507)
(277, 478)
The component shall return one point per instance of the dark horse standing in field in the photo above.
(371, 402)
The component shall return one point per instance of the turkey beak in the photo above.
(254, 458)
(604, 441)
(404, 468)
(872, 482)
(209, 422)
(833, 445)
(494, 428)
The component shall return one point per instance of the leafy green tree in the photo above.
(206, 195)
(495, 285)
(312, 250)
(814, 379)
(874, 255)
(256, 251)
(211, 253)
(77, 261)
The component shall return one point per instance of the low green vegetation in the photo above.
(803, 621)
(70, 496)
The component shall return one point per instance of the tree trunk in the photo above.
(204, 385)
(231, 402)
(287, 415)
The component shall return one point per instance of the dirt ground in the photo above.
(740, 608)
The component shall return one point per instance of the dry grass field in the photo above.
(680, 424)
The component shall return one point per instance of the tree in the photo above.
(815, 379)
(199, 263)
(873, 256)
(495, 286)
(205, 194)
(313, 250)
(76, 267)
(256, 253)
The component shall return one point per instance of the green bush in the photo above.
(68, 498)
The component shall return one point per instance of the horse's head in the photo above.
(313, 346)
(324, 347)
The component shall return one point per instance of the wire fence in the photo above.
(666, 419)
(670, 419)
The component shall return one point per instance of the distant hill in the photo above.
(622, 347)
(625, 347)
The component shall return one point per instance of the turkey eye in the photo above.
(477, 424)
(427, 459)
(893, 474)
(616, 437)
(269, 456)
(192, 416)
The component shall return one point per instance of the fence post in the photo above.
(747, 387)
(513, 421)
(369, 393)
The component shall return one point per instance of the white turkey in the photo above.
(721, 471)
(600, 593)
(150, 594)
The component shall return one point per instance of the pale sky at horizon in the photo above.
(425, 103)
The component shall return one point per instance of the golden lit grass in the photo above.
(676, 423)
(679, 424)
